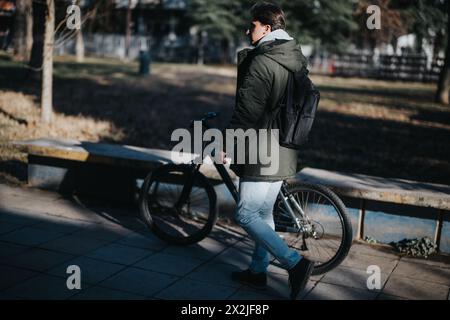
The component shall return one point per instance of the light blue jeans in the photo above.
(254, 213)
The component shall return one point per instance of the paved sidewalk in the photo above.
(41, 233)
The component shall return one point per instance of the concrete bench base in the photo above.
(74, 177)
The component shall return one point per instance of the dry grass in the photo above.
(390, 129)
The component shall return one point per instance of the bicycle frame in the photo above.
(284, 194)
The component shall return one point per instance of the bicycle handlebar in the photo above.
(206, 117)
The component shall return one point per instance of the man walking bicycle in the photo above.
(262, 79)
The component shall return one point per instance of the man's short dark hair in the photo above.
(268, 14)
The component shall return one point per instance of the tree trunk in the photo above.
(201, 48)
(47, 67)
(39, 9)
(437, 44)
(442, 94)
(79, 44)
(128, 31)
(225, 43)
(23, 26)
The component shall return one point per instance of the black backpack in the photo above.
(295, 115)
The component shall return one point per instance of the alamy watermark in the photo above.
(374, 21)
(73, 17)
(243, 147)
(374, 280)
(74, 280)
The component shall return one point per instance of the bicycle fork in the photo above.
(187, 187)
(286, 199)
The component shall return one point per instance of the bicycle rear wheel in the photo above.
(326, 235)
(179, 223)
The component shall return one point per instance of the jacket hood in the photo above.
(279, 34)
(285, 52)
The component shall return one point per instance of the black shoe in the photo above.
(299, 275)
(256, 280)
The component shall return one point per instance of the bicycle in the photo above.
(179, 204)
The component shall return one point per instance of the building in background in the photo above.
(162, 26)
(7, 10)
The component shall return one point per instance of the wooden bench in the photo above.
(112, 170)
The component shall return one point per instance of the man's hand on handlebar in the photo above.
(222, 158)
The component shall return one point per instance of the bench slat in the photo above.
(110, 154)
(392, 190)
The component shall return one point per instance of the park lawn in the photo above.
(382, 128)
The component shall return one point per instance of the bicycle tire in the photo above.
(347, 233)
(162, 173)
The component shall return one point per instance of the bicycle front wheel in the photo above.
(325, 233)
(175, 219)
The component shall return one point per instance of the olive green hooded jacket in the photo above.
(261, 83)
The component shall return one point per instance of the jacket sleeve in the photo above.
(251, 96)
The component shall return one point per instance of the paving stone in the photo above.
(351, 277)
(362, 261)
(187, 289)
(92, 270)
(36, 259)
(204, 250)
(11, 249)
(374, 250)
(415, 289)
(309, 287)
(6, 227)
(234, 257)
(16, 218)
(424, 272)
(226, 235)
(12, 276)
(278, 286)
(144, 241)
(275, 267)
(168, 263)
(30, 236)
(215, 273)
(103, 232)
(389, 297)
(139, 281)
(74, 244)
(325, 291)
(8, 297)
(99, 293)
(441, 261)
(121, 254)
(64, 226)
(43, 287)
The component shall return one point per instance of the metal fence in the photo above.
(406, 67)
(165, 49)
